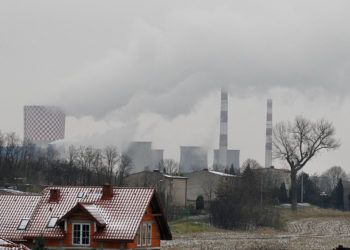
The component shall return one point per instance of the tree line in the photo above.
(23, 162)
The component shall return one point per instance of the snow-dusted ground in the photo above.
(313, 233)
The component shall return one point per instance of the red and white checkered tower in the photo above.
(223, 130)
(268, 145)
(43, 124)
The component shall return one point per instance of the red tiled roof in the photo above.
(14, 208)
(122, 214)
(8, 245)
(91, 209)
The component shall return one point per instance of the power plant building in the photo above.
(143, 157)
(193, 158)
(157, 157)
(43, 124)
(232, 160)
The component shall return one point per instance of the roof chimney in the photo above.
(54, 195)
(107, 192)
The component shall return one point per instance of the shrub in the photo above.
(239, 204)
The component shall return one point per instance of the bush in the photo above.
(236, 204)
(200, 203)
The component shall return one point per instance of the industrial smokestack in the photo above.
(223, 130)
(268, 145)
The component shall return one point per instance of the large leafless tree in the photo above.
(299, 141)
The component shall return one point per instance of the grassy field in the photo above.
(311, 212)
(308, 228)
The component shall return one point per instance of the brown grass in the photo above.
(311, 212)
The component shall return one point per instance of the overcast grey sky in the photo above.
(152, 70)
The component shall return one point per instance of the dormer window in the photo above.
(52, 222)
(23, 224)
(81, 234)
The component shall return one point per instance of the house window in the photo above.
(81, 234)
(144, 234)
(80, 195)
(23, 224)
(149, 234)
(52, 222)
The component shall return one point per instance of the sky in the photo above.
(137, 70)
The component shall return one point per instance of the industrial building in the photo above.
(43, 124)
(204, 183)
(143, 157)
(173, 189)
(193, 158)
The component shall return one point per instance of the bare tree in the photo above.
(85, 161)
(124, 169)
(298, 142)
(209, 188)
(111, 157)
(332, 176)
(169, 166)
(252, 163)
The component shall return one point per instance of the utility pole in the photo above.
(261, 191)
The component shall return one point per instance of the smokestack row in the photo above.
(268, 145)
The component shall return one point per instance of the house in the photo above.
(173, 188)
(204, 183)
(9, 245)
(96, 218)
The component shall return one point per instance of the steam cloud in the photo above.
(165, 67)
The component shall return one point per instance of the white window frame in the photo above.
(81, 234)
(149, 234)
(144, 235)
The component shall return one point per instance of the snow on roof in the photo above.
(122, 214)
(174, 176)
(13, 209)
(8, 245)
(220, 173)
(91, 209)
(10, 191)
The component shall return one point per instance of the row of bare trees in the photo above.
(23, 162)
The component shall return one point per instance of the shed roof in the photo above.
(8, 245)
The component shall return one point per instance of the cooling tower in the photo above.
(193, 158)
(268, 145)
(157, 158)
(140, 154)
(43, 124)
(232, 159)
